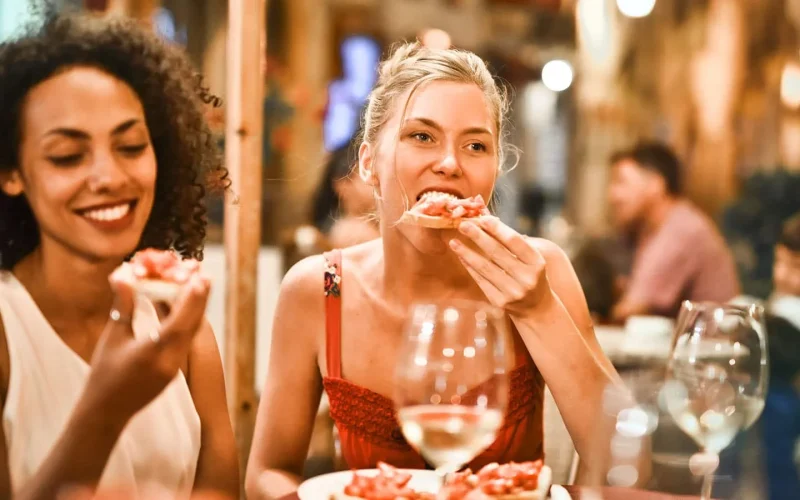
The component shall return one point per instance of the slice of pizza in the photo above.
(160, 274)
(389, 483)
(511, 481)
(440, 210)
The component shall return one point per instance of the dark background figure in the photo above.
(752, 226)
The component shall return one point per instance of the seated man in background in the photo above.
(678, 253)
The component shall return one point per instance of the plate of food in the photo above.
(511, 481)
(441, 210)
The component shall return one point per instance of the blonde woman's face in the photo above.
(445, 141)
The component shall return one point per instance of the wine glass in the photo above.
(451, 380)
(716, 375)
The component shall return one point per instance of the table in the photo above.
(607, 493)
(626, 353)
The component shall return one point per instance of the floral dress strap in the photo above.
(333, 312)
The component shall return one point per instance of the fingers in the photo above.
(491, 248)
(494, 295)
(121, 314)
(516, 243)
(486, 272)
(186, 315)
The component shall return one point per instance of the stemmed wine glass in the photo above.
(717, 374)
(451, 380)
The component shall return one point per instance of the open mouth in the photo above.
(439, 192)
(108, 212)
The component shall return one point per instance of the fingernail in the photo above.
(466, 227)
(455, 244)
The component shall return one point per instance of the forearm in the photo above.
(271, 484)
(218, 476)
(79, 456)
(576, 377)
(626, 308)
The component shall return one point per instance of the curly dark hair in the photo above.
(173, 99)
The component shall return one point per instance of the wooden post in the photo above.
(244, 125)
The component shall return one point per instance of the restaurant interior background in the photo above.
(719, 80)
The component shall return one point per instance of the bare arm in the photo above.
(292, 392)
(566, 286)
(218, 465)
(579, 378)
(533, 280)
(626, 308)
(561, 339)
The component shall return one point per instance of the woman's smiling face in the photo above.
(87, 167)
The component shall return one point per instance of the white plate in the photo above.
(322, 487)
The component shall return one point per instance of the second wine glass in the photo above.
(717, 374)
(451, 383)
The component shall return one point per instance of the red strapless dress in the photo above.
(366, 421)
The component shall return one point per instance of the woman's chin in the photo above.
(433, 242)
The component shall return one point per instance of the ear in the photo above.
(366, 165)
(11, 183)
(658, 185)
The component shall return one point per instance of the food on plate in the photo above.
(389, 484)
(160, 274)
(440, 210)
(511, 481)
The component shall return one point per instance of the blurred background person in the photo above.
(344, 207)
(780, 422)
(678, 252)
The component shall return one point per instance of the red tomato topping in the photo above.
(436, 205)
(163, 265)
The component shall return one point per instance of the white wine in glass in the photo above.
(717, 374)
(451, 385)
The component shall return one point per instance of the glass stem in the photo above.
(708, 483)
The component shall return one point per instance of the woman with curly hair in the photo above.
(104, 151)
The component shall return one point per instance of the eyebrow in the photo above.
(434, 125)
(80, 134)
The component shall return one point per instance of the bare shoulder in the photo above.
(560, 272)
(552, 253)
(304, 280)
(300, 306)
(5, 364)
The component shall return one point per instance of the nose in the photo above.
(449, 165)
(106, 174)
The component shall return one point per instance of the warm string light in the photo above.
(557, 75)
(790, 85)
(636, 8)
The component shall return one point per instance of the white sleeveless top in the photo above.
(158, 448)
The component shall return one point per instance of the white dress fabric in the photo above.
(158, 448)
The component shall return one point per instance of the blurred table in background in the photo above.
(629, 352)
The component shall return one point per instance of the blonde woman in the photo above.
(435, 120)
